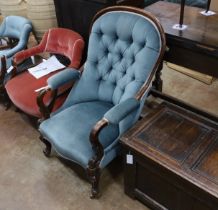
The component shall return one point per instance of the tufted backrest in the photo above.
(59, 41)
(15, 27)
(65, 42)
(123, 50)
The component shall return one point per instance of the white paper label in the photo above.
(129, 159)
(10, 69)
(46, 67)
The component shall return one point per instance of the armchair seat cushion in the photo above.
(25, 98)
(71, 129)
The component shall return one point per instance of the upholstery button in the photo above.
(133, 60)
(131, 39)
(121, 56)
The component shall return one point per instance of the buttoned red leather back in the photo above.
(65, 42)
(58, 41)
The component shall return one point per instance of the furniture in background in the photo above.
(171, 153)
(14, 35)
(42, 14)
(196, 47)
(194, 3)
(11, 7)
(21, 87)
(171, 158)
(126, 46)
(77, 14)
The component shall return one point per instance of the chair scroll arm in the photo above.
(96, 145)
(46, 109)
(63, 77)
(117, 113)
(114, 116)
(14, 69)
(18, 64)
(54, 82)
(24, 54)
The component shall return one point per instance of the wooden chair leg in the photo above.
(47, 150)
(6, 100)
(158, 82)
(94, 173)
(17, 109)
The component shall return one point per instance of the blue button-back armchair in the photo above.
(125, 48)
(14, 35)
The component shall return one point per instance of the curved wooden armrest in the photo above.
(43, 108)
(37, 59)
(94, 140)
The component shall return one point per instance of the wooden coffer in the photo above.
(174, 160)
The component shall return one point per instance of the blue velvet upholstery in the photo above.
(123, 50)
(63, 77)
(76, 122)
(15, 27)
(121, 110)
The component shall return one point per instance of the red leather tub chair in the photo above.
(21, 89)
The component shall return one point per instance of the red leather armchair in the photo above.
(21, 87)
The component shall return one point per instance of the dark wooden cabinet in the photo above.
(174, 160)
(77, 14)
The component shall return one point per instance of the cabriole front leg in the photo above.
(93, 172)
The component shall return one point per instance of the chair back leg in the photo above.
(47, 150)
